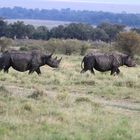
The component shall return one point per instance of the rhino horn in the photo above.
(50, 55)
(60, 60)
(55, 58)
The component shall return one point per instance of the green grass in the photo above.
(63, 104)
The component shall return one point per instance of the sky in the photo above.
(116, 6)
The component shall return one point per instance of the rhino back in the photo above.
(20, 62)
(103, 62)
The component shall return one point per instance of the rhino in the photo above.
(23, 61)
(106, 62)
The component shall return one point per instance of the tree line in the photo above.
(105, 31)
(91, 17)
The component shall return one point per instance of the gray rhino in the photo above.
(106, 62)
(23, 61)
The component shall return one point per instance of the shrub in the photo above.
(68, 47)
(129, 42)
(4, 43)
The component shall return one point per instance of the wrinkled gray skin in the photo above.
(23, 61)
(106, 62)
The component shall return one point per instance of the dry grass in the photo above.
(62, 104)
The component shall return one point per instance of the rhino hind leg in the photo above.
(83, 71)
(92, 71)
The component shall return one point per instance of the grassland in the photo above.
(63, 104)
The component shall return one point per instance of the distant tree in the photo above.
(78, 31)
(18, 29)
(58, 32)
(3, 26)
(9, 31)
(129, 42)
(41, 32)
(85, 16)
(99, 34)
(29, 30)
(111, 30)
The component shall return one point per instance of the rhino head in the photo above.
(128, 61)
(52, 62)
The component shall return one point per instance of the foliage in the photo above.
(3, 27)
(62, 46)
(41, 33)
(105, 32)
(129, 42)
(111, 30)
(5, 43)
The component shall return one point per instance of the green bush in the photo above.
(129, 42)
(68, 47)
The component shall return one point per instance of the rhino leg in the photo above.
(118, 71)
(92, 71)
(38, 71)
(31, 71)
(6, 70)
(113, 70)
(83, 71)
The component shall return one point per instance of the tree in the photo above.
(57, 32)
(41, 32)
(78, 31)
(3, 26)
(29, 30)
(129, 42)
(99, 34)
(18, 29)
(111, 30)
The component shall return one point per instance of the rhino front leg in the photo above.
(30, 71)
(38, 71)
(118, 71)
(6, 69)
(113, 70)
(92, 71)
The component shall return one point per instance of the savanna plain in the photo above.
(62, 104)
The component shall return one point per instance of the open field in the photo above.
(48, 23)
(63, 104)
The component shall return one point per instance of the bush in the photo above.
(129, 42)
(5, 43)
(68, 47)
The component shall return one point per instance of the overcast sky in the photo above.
(130, 6)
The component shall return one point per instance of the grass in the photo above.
(63, 104)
